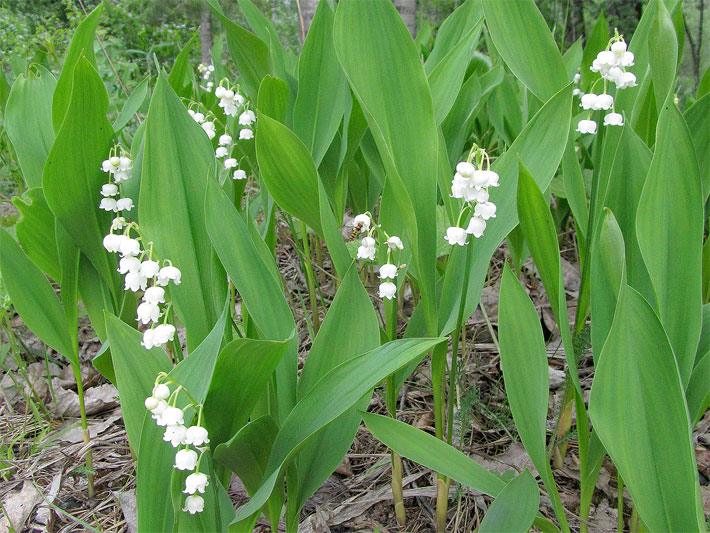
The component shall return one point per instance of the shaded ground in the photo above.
(42, 474)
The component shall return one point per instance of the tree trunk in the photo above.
(206, 41)
(408, 11)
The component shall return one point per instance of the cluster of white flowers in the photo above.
(368, 250)
(611, 64)
(207, 125)
(137, 264)
(223, 150)
(119, 170)
(232, 102)
(190, 440)
(205, 72)
(471, 185)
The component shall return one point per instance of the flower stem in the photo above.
(84, 429)
(310, 278)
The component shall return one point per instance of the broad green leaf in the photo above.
(334, 394)
(662, 54)
(288, 171)
(698, 393)
(446, 78)
(82, 44)
(72, 177)
(666, 234)
(697, 117)
(386, 75)
(522, 38)
(322, 87)
(433, 453)
(35, 231)
(132, 105)
(284, 61)
(96, 297)
(515, 506)
(595, 43)
(195, 372)
(240, 375)
(33, 297)
(527, 385)
(540, 147)
(574, 188)
(249, 53)
(181, 69)
(246, 454)
(636, 391)
(350, 311)
(331, 234)
(608, 273)
(455, 28)
(274, 99)
(28, 121)
(626, 181)
(177, 165)
(244, 259)
(541, 236)
(68, 255)
(136, 369)
(154, 468)
(572, 59)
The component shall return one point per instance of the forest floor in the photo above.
(43, 483)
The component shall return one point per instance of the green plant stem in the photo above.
(634, 527)
(310, 278)
(455, 345)
(391, 307)
(438, 365)
(84, 429)
(619, 503)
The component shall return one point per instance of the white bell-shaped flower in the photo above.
(163, 334)
(627, 60)
(147, 342)
(493, 178)
(239, 174)
(460, 185)
(363, 220)
(125, 164)
(230, 163)
(246, 134)
(196, 482)
(587, 126)
(388, 270)
(135, 282)
(221, 151)
(118, 223)
(129, 264)
(485, 210)
(604, 101)
(465, 169)
(626, 81)
(108, 204)
(148, 312)
(456, 235)
(150, 268)
(154, 295)
(194, 504)
(614, 75)
(197, 117)
(175, 435)
(109, 189)
(476, 226)
(167, 274)
(151, 403)
(618, 48)
(219, 91)
(173, 416)
(124, 204)
(613, 119)
(209, 129)
(394, 243)
(112, 242)
(130, 247)
(480, 179)
(589, 101)
(159, 410)
(387, 290)
(247, 118)
(161, 391)
(225, 139)
(197, 436)
(367, 249)
(185, 459)
(482, 196)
